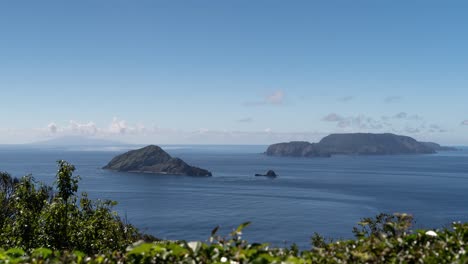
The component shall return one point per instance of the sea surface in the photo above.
(324, 195)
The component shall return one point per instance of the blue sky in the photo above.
(232, 72)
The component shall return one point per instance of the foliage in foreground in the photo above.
(396, 246)
(34, 215)
(40, 225)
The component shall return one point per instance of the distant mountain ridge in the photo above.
(355, 144)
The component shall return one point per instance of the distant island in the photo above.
(355, 144)
(153, 159)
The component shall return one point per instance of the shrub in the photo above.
(34, 216)
(441, 246)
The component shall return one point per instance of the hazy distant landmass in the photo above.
(153, 159)
(438, 147)
(78, 141)
(355, 144)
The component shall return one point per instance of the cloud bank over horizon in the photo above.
(118, 129)
(140, 134)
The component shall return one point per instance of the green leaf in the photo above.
(79, 253)
(42, 253)
(142, 249)
(242, 226)
(177, 250)
(15, 252)
(214, 231)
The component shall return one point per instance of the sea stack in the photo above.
(269, 173)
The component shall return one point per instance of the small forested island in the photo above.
(355, 144)
(153, 159)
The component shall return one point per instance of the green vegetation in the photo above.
(34, 216)
(40, 225)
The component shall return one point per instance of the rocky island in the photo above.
(355, 144)
(297, 149)
(269, 173)
(153, 159)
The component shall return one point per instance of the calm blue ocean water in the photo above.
(324, 195)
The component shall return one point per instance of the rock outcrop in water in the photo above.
(153, 159)
(352, 144)
(269, 173)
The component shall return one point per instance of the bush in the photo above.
(34, 216)
(443, 246)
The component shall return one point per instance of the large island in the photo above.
(355, 144)
(153, 159)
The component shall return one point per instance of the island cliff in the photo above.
(153, 159)
(353, 144)
(297, 149)
(438, 147)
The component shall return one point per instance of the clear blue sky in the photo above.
(233, 71)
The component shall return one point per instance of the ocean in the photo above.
(324, 195)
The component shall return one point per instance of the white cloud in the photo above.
(118, 126)
(82, 128)
(202, 131)
(406, 116)
(401, 115)
(464, 123)
(401, 122)
(354, 122)
(52, 127)
(332, 118)
(266, 136)
(414, 117)
(275, 98)
(156, 135)
(433, 128)
(140, 128)
(412, 130)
